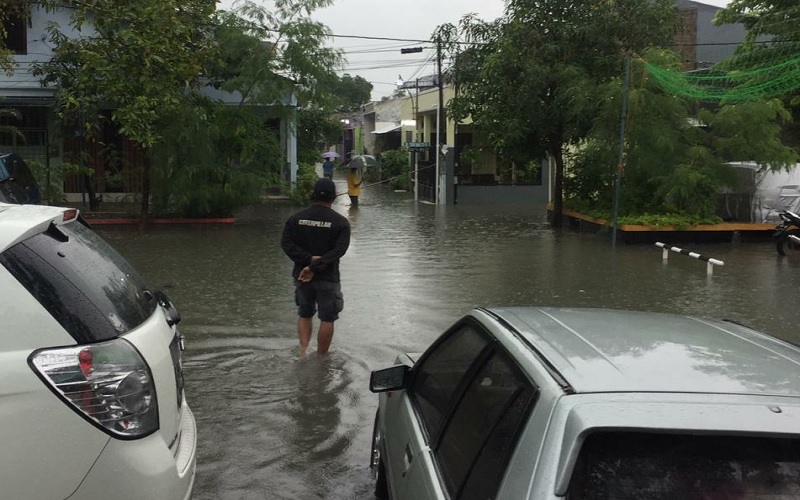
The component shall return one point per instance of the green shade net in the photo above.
(760, 74)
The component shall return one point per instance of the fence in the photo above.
(710, 263)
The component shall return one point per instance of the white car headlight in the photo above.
(108, 383)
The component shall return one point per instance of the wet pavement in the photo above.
(272, 426)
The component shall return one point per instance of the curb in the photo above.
(131, 222)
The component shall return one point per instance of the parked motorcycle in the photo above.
(787, 233)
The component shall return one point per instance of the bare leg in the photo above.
(304, 333)
(324, 336)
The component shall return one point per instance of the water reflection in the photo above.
(272, 427)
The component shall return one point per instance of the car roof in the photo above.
(19, 222)
(605, 350)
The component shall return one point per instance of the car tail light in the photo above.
(69, 215)
(108, 383)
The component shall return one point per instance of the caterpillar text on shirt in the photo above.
(314, 223)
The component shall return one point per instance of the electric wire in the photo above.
(389, 179)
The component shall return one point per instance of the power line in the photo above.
(389, 39)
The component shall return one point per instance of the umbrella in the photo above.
(330, 154)
(362, 161)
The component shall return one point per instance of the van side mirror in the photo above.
(389, 379)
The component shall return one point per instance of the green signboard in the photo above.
(418, 146)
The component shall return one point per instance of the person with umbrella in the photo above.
(327, 165)
(354, 182)
(355, 179)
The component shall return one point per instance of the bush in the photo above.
(53, 192)
(306, 178)
(395, 168)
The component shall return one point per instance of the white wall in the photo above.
(22, 83)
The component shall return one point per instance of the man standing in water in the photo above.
(315, 239)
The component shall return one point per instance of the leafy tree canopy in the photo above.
(776, 18)
(315, 128)
(529, 79)
(350, 92)
(674, 163)
(772, 39)
(136, 58)
(267, 52)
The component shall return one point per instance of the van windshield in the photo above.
(628, 465)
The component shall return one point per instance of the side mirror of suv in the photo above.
(173, 316)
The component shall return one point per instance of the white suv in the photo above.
(91, 384)
(547, 403)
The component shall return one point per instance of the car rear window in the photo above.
(82, 281)
(644, 466)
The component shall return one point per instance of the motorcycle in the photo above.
(787, 233)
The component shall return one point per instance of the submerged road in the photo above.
(272, 426)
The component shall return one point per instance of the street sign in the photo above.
(418, 146)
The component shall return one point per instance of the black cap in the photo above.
(324, 190)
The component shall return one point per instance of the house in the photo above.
(117, 170)
(382, 123)
(702, 43)
(469, 172)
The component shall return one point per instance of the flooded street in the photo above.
(272, 426)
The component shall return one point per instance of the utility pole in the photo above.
(440, 125)
(416, 153)
(415, 106)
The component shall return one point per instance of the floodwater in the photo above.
(272, 426)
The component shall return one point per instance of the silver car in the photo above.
(546, 403)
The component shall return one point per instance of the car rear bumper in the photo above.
(145, 468)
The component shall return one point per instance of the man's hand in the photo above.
(306, 275)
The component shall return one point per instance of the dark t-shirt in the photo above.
(317, 230)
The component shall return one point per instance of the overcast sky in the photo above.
(380, 61)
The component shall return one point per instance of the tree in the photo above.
(214, 158)
(267, 56)
(776, 21)
(138, 59)
(286, 52)
(530, 79)
(145, 61)
(12, 12)
(350, 92)
(316, 127)
(675, 161)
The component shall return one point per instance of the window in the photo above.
(81, 281)
(480, 437)
(646, 466)
(17, 169)
(439, 374)
(16, 29)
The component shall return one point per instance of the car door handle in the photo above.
(409, 457)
